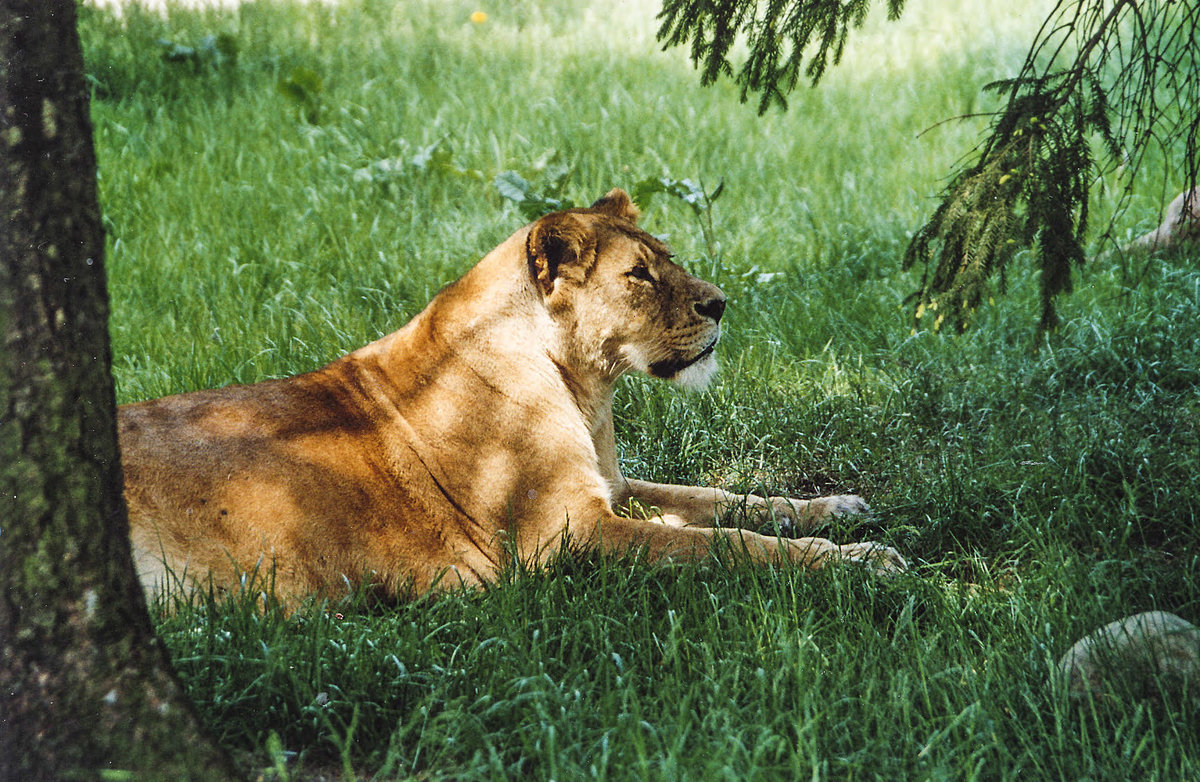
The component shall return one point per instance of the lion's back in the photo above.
(218, 480)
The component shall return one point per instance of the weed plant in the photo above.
(284, 182)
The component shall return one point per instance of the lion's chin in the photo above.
(693, 374)
(696, 376)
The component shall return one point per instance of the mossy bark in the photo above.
(85, 686)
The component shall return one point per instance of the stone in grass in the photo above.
(1150, 655)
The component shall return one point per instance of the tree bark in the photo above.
(85, 686)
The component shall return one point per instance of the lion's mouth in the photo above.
(674, 366)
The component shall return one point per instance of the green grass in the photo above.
(1040, 488)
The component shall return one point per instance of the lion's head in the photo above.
(618, 300)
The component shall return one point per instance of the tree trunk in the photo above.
(85, 686)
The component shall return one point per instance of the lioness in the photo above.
(1180, 224)
(481, 429)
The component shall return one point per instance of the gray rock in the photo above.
(1141, 655)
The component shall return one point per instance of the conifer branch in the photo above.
(777, 34)
(1131, 82)
(1029, 185)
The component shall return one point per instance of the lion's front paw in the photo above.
(825, 508)
(805, 515)
(883, 560)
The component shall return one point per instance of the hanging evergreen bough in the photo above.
(1028, 187)
(1131, 83)
(777, 33)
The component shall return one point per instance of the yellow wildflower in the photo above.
(479, 17)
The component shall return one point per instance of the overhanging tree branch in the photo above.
(1131, 82)
(777, 33)
(1104, 82)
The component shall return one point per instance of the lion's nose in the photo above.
(713, 308)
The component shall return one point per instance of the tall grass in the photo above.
(1039, 488)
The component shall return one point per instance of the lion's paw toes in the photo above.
(798, 516)
(881, 559)
(825, 508)
(848, 505)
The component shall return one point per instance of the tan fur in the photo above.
(481, 428)
(1178, 225)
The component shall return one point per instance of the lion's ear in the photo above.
(618, 204)
(558, 244)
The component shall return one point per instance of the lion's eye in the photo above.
(640, 272)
